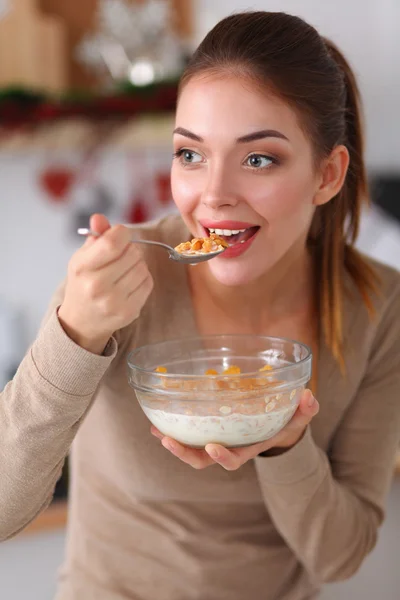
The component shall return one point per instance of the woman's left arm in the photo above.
(328, 508)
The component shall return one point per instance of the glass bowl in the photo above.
(233, 390)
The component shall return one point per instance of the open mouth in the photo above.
(234, 236)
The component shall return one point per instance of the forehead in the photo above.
(223, 105)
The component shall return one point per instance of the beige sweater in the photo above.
(145, 526)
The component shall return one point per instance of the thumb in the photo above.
(308, 406)
(99, 223)
(307, 409)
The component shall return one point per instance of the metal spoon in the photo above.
(191, 259)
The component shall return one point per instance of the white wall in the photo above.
(368, 31)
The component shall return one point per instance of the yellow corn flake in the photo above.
(161, 370)
(184, 247)
(217, 240)
(232, 370)
(197, 244)
(211, 372)
(208, 245)
(266, 368)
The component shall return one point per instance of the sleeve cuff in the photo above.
(64, 364)
(299, 463)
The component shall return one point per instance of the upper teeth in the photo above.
(226, 231)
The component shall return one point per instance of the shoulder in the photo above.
(378, 334)
(389, 276)
(387, 334)
(388, 285)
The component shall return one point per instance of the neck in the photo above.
(283, 292)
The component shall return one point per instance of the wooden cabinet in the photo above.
(32, 48)
(38, 39)
(79, 17)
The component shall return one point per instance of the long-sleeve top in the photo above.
(143, 525)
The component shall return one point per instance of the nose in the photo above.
(219, 189)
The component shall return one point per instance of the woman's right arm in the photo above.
(42, 407)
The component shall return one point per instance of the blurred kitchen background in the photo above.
(87, 92)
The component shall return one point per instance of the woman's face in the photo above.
(242, 164)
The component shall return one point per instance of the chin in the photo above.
(233, 275)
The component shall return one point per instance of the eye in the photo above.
(259, 161)
(188, 156)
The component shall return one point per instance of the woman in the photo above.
(268, 140)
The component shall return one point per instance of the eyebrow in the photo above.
(244, 139)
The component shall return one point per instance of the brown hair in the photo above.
(287, 55)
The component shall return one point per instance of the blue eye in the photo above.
(188, 156)
(259, 161)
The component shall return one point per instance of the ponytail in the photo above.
(338, 223)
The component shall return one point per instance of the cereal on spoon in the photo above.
(214, 243)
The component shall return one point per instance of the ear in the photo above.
(332, 175)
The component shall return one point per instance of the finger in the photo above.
(133, 279)
(126, 265)
(156, 432)
(120, 272)
(107, 248)
(142, 290)
(232, 458)
(198, 459)
(308, 408)
(131, 274)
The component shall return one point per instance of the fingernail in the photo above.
(156, 434)
(311, 399)
(213, 453)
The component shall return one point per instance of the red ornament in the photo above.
(137, 212)
(163, 182)
(57, 182)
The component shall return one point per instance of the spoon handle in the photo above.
(86, 232)
(153, 243)
(173, 254)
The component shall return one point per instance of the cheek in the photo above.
(283, 197)
(185, 188)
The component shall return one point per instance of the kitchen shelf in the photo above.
(54, 517)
